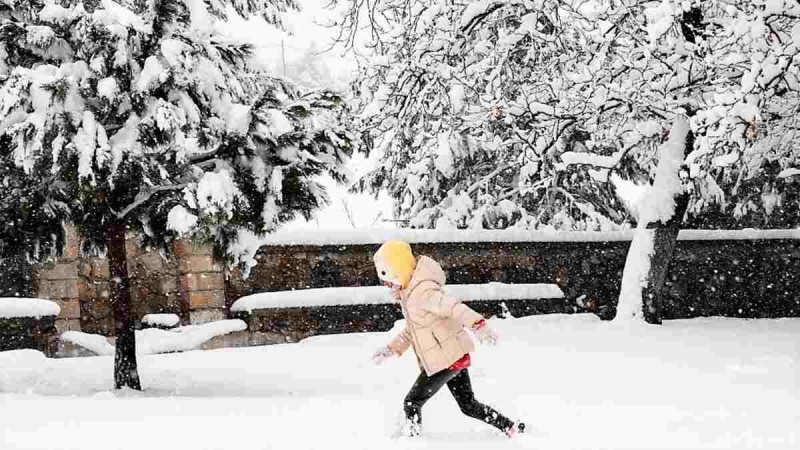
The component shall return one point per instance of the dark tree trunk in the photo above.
(125, 371)
(665, 236)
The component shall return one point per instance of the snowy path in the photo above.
(579, 383)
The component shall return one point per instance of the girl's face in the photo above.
(387, 275)
(396, 288)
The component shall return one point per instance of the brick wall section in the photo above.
(58, 280)
(155, 282)
(80, 284)
(97, 312)
(202, 282)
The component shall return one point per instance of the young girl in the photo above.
(435, 328)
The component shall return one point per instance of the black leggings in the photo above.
(460, 386)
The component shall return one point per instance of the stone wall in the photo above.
(589, 273)
(96, 312)
(155, 282)
(154, 288)
(202, 283)
(728, 277)
(186, 282)
(734, 277)
(58, 280)
(741, 278)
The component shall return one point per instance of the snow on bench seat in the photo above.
(161, 320)
(340, 296)
(27, 307)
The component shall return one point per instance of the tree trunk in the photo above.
(125, 371)
(665, 237)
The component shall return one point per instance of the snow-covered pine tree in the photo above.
(149, 122)
(30, 227)
(531, 113)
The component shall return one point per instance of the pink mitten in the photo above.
(484, 333)
(381, 355)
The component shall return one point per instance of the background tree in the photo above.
(152, 124)
(542, 114)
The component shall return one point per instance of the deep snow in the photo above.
(579, 383)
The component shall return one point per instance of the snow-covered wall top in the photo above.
(379, 294)
(27, 307)
(355, 237)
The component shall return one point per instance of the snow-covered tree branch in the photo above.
(577, 92)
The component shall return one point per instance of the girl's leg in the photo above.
(424, 388)
(461, 388)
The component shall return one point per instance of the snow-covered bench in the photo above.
(27, 323)
(305, 312)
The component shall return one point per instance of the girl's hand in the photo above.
(381, 355)
(484, 333)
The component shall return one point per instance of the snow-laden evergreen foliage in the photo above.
(533, 113)
(141, 111)
(139, 117)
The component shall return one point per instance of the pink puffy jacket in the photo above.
(435, 323)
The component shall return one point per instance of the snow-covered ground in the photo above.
(579, 383)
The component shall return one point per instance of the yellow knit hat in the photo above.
(395, 262)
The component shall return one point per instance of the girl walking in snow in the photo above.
(435, 328)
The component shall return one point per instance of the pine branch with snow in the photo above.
(154, 124)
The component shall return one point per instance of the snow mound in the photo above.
(96, 343)
(380, 295)
(190, 337)
(27, 307)
(163, 320)
(22, 358)
(153, 340)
